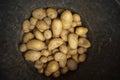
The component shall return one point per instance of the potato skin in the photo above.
(39, 35)
(83, 42)
(28, 36)
(51, 13)
(64, 35)
(23, 48)
(25, 26)
(48, 34)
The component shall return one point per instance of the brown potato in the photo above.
(68, 56)
(39, 35)
(81, 50)
(43, 59)
(64, 70)
(54, 43)
(79, 23)
(56, 27)
(50, 58)
(56, 74)
(36, 45)
(71, 64)
(45, 53)
(81, 31)
(64, 35)
(82, 57)
(32, 55)
(38, 64)
(39, 13)
(54, 51)
(27, 37)
(23, 48)
(63, 48)
(26, 25)
(48, 34)
(75, 58)
(83, 42)
(76, 17)
(71, 30)
(47, 20)
(33, 21)
(41, 70)
(72, 51)
(73, 41)
(74, 24)
(47, 73)
(51, 13)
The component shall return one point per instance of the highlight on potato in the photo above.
(54, 40)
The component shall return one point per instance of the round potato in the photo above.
(51, 13)
(27, 37)
(47, 20)
(63, 48)
(23, 47)
(76, 17)
(43, 59)
(81, 50)
(38, 64)
(33, 21)
(64, 35)
(71, 64)
(82, 57)
(48, 34)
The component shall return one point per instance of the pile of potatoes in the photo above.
(54, 40)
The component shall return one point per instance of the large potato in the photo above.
(39, 35)
(54, 43)
(56, 27)
(73, 40)
(36, 45)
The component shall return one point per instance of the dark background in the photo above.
(102, 17)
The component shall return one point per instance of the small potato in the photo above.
(50, 58)
(72, 51)
(38, 64)
(39, 35)
(71, 64)
(56, 74)
(47, 73)
(47, 20)
(48, 34)
(36, 45)
(63, 48)
(79, 23)
(56, 27)
(54, 51)
(53, 66)
(54, 43)
(74, 24)
(73, 40)
(64, 35)
(43, 59)
(42, 26)
(27, 37)
(32, 55)
(60, 11)
(76, 17)
(23, 48)
(81, 50)
(51, 13)
(45, 53)
(71, 30)
(82, 57)
(64, 70)
(26, 25)
(83, 42)
(68, 56)
(81, 31)
(75, 58)
(33, 21)
(32, 27)
(41, 70)
(39, 13)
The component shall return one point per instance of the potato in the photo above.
(64, 35)
(47, 73)
(71, 64)
(72, 51)
(32, 55)
(32, 27)
(71, 30)
(83, 42)
(45, 53)
(27, 37)
(74, 24)
(41, 70)
(38, 64)
(81, 31)
(63, 48)
(76, 17)
(43, 59)
(66, 18)
(39, 13)
(81, 50)
(51, 13)
(73, 40)
(75, 58)
(54, 43)
(48, 34)
(53, 66)
(33, 21)
(47, 20)
(54, 51)
(50, 58)
(39, 35)
(36, 45)
(42, 26)
(79, 23)
(82, 57)
(68, 56)
(64, 70)
(56, 74)
(56, 27)
(23, 48)
(26, 25)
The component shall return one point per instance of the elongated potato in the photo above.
(26, 25)
(36, 45)
(83, 42)
(32, 55)
(39, 35)
(52, 13)
(54, 43)
(72, 51)
(56, 27)
(28, 36)
(73, 40)
(64, 35)
(81, 31)
(48, 34)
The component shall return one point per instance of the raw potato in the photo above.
(56, 74)
(33, 21)
(26, 25)
(75, 58)
(43, 59)
(23, 47)
(45, 53)
(64, 70)
(73, 41)
(47, 73)
(74, 24)
(32, 27)
(81, 31)
(50, 58)
(47, 20)
(38, 64)
(71, 64)
(71, 30)
(27, 37)
(54, 43)
(68, 56)
(72, 51)
(82, 57)
(54, 51)
(36, 45)
(42, 26)
(81, 50)
(79, 23)
(39, 35)
(76, 17)
(63, 48)
(41, 70)
(64, 35)
(48, 34)
(83, 42)
(39, 13)
(32, 55)
(56, 27)
(52, 13)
